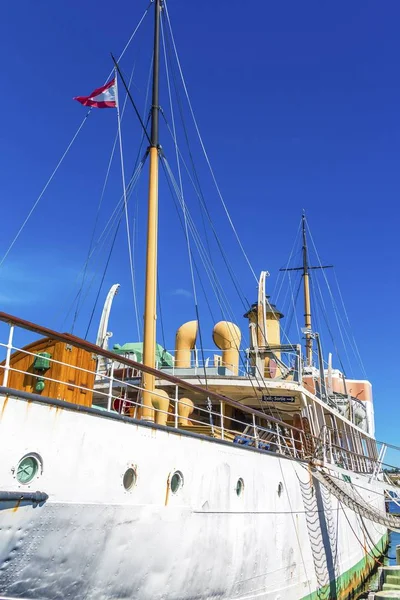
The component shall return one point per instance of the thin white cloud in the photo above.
(182, 292)
(16, 299)
(28, 283)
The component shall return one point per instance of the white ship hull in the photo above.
(93, 539)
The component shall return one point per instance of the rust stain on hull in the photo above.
(3, 407)
(16, 507)
(359, 578)
(167, 491)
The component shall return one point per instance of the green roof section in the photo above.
(163, 358)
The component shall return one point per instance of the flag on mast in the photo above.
(103, 97)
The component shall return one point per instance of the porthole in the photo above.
(280, 489)
(239, 487)
(130, 478)
(176, 482)
(27, 469)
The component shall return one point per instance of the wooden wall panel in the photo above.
(66, 376)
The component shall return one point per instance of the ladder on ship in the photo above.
(345, 492)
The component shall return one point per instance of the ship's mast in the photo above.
(150, 301)
(307, 302)
(306, 285)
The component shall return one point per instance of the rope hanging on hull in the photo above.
(346, 494)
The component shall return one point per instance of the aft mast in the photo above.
(150, 302)
(306, 287)
(307, 301)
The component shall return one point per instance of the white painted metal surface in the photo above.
(283, 538)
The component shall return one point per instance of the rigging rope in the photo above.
(348, 322)
(335, 310)
(203, 146)
(222, 300)
(294, 304)
(50, 179)
(196, 184)
(98, 210)
(128, 235)
(131, 185)
(287, 264)
(209, 404)
(112, 221)
(138, 170)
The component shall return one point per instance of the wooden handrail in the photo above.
(89, 347)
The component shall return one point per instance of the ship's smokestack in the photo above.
(184, 343)
(272, 335)
(227, 337)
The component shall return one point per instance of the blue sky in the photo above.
(298, 105)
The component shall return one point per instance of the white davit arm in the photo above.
(103, 334)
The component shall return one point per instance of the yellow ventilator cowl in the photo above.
(184, 343)
(227, 337)
(185, 409)
(160, 401)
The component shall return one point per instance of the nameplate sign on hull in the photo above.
(283, 399)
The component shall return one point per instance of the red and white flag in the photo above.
(103, 97)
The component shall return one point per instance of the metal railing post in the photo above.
(221, 405)
(330, 446)
(255, 431)
(110, 387)
(378, 463)
(278, 435)
(176, 406)
(8, 356)
(293, 444)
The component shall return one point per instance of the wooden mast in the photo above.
(307, 301)
(150, 302)
(306, 286)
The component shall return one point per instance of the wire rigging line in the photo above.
(138, 171)
(203, 254)
(128, 235)
(131, 38)
(184, 204)
(203, 146)
(350, 328)
(334, 306)
(131, 98)
(294, 298)
(178, 166)
(220, 295)
(115, 215)
(99, 208)
(217, 288)
(161, 314)
(320, 301)
(50, 179)
(296, 239)
(197, 187)
(102, 280)
(200, 196)
(179, 213)
(196, 184)
(223, 302)
(107, 230)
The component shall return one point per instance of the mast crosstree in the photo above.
(306, 268)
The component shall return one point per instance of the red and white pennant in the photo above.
(103, 97)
